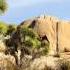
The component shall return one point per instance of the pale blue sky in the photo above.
(19, 10)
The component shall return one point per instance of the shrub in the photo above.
(64, 64)
(32, 40)
(6, 64)
(3, 28)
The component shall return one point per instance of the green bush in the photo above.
(31, 39)
(29, 42)
(3, 28)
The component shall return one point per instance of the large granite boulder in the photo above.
(64, 36)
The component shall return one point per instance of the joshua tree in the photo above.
(27, 41)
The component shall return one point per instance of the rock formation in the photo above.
(57, 32)
(44, 26)
(64, 36)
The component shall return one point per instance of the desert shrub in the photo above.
(45, 44)
(3, 28)
(31, 39)
(28, 40)
(64, 64)
(5, 64)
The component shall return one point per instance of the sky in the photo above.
(20, 10)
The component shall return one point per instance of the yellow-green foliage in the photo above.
(3, 27)
(64, 64)
(31, 39)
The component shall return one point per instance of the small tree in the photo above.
(27, 41)
(29, 38)
(31, 41)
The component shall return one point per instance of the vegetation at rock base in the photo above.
(29, 42)
(64, 64)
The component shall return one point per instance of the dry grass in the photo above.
(5, 64)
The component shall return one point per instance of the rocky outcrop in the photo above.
(64, 36)
(44, 26)
(57, 32)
